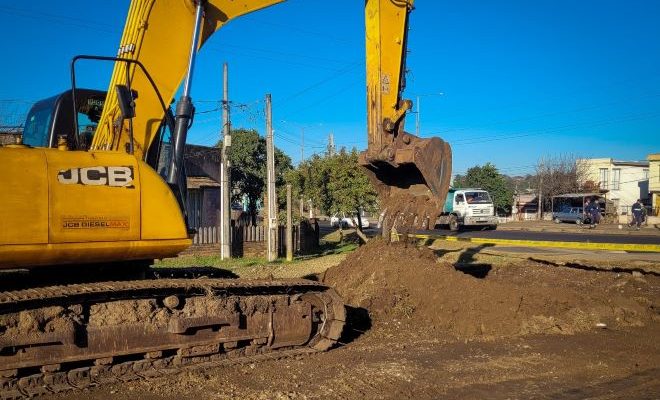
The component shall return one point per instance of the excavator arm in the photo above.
(411, 174)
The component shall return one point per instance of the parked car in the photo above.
(347, 222)
(569, 214)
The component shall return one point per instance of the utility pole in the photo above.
(270, 168)
(331, 144)
(540, 196)
(302, 144)
(289, 224)
(225, 186)
(302, 208)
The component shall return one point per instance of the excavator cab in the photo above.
(52, 118)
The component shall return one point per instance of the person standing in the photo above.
(587, 210)
(592, 209)
(595, 213)
(638, 213)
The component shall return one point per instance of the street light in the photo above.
(417, 112)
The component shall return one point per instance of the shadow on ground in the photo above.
(467, 262)
(358, 322)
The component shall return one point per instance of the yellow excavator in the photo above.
(98, 183)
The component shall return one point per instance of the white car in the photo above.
(347, 222)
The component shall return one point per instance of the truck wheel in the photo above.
(492, 227)
(453, 223)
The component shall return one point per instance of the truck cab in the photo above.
(468, 207)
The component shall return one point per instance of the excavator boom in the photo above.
(158, 34)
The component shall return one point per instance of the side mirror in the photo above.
(126, 103)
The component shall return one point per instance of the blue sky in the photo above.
(519, 80)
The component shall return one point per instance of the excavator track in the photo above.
(59, 338)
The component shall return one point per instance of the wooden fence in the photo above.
(252, 239)
(206, 235)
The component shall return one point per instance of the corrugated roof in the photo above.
(198, 182)
(578, 195)
(631, 163)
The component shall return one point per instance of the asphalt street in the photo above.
(584, 237)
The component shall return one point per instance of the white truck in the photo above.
(468, 207)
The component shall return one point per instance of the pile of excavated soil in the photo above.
(404, 286)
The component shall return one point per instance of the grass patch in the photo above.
(210, 261)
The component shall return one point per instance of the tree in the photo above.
(558, 175)
(336, 184)
(247, 155)
(490, 179)
(349, 187)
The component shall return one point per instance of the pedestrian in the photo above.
(592, 211)
(586, 210)
(595, 213)
(638, 214)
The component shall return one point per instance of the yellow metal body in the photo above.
(62, 207)
(385, 34)
(158, 34)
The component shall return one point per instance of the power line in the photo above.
(491, 138)
(290, 28)
(59, 19)
(327, 79)
(583, 108)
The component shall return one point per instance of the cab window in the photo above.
(37, 124)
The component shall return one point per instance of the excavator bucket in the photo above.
(412, 178)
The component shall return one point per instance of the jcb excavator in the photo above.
(98, 182)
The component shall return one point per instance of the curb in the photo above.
(650, 248)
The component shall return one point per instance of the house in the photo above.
(525, 205)
(10, 134)
(203, 175)
(654, 182)
(623, 182)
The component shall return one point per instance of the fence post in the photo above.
(289, 225)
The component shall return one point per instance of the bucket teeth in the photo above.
(412, 179)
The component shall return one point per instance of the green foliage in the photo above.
(247, 156)
(335, 183)
(490, 179)
(349, 187)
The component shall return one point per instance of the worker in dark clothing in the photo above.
(592, 209)
(638, 213)
(586, 210)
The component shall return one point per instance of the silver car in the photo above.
(569, 214)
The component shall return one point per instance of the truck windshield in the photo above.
(477, 197)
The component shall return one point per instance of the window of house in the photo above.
(645, 173)
(604, 178)
(616, 178)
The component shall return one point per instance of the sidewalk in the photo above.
(550, 226)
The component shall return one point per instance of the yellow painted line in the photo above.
(655, 248)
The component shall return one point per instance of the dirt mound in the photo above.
(404, 286)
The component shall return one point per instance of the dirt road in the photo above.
(423, 329)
